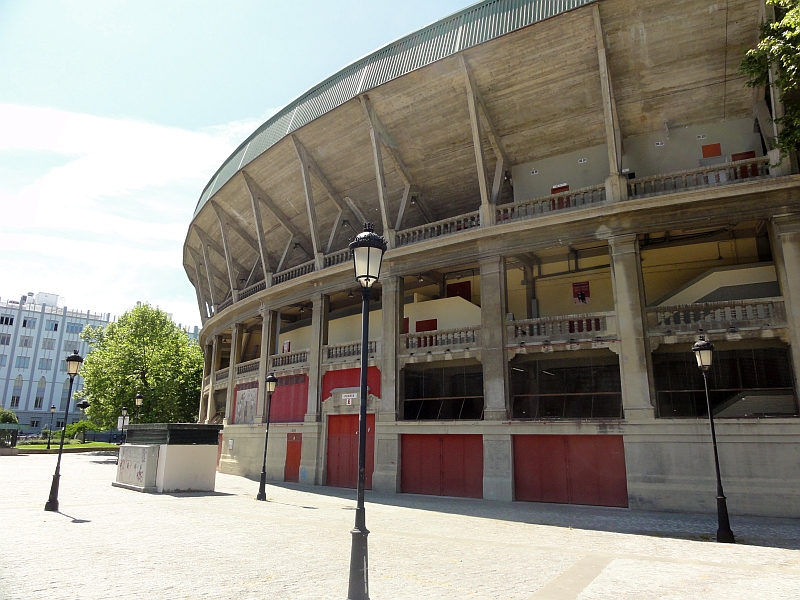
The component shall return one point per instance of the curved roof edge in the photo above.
(469, 27)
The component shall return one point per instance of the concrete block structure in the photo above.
(573, 193)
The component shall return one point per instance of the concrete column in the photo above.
(386, 477)
(310, 454)
(207, 368)
(212, 403)
(633, 348)
(493, 329)
(498, 468)
(785, 238)
(235, 333)
(319, 338)
(268, 328)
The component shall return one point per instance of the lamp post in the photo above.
(269, 383)
(139, 400)
(74, 362)
(367, 248)
(704, 352)
(50, 429)
(83, 405)
(124, 412)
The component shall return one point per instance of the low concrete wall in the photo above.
(136, 468)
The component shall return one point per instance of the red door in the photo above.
(294, 445)
(342, 467)
(570, 469)
(442, 465)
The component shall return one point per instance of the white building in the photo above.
(36, 335)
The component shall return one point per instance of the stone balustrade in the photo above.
(577, 328)
(249, 291)
(288, 359)
(249, 367)
(294, 272)
(438, 229)
(763, 313)
(466, 336)
(337, 258)
(349, 350)
(587, 196)
(222, 374)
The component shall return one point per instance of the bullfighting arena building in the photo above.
(573, 193)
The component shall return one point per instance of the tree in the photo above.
(145, 352)
(779, 47)
(8, 416)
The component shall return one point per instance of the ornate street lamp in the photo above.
(83, 405)
(367, 248)
(50, 429)
(139, 401)
(704, 353)
(124, 412)
(269, 384)
(74, 362)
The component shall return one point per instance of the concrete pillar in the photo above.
(633, 348)
(785, 238)
(310, 454)
(212, 402)
(386, 477)
(493, 330)
(268, 329)
(319, 338)
(235, 333)
(498, 467)
(207, 355)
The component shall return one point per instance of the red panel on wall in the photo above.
(405, 324)
(342, 459)
(442, 465)
(570, 469)
(712, 150)
(294, 446)
(351, 378)
(462, 289)
(427, 325)
(289, 400)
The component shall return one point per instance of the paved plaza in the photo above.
(109, 542)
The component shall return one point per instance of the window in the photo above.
(22, 362)
(71, 346)
(26, 341)
(5, 339)
(64, 394)
(3, 360)
(15, 395)
(48, 344)
(74, 327)
(435, 391)
(45, 364)
(59, 424)
(37, 403)
(62, 366)
(6, 320)
(35, 423)
(29, 323)
(51, 326)
(14, 401)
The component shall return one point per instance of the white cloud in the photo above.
(105, 228)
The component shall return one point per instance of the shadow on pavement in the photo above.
(74, 520)
(196, 494)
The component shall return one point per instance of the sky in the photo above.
(114, 115)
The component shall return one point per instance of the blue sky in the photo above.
(114, 114)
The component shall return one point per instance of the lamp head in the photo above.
(367, 248)
(74, 362)
(703, 352)
(83, 404)
(139, 399)
(52, 408)
(270, 382)
(124, 411)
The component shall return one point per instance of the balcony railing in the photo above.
(554, 203)
(441, 338)
(223, 305)
(222, 374)
(588, 327)
(717, 316)
(206, 380)
(337, 258)
(349, 350)
(250, 366)
(734, 172)
(253, 289)
(303, 269)
(438, 229)
(288, 359)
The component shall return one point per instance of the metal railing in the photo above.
(440, 338)
(719, 316)
(248, 367)
(287, 359)
(733, 172)
(303, 269)
(350, 349)
(572, 327)
(554, 203)
(438, 229)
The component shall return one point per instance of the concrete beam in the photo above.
(313, 223)
(613, 135)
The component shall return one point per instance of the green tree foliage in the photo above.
(779, 46)
(8, 416)
(142, 352)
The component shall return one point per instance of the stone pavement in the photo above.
(113, 543)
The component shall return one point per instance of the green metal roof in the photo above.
(474, 25)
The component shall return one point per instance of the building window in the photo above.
(29, 323)
(37, 403)
(25, 341)
(3, 360)
(39, 400)
(35, 423)
(71, 346)
(45, 364)
(741, 384)
(48, 344)
(17, 392)
(51, 326)
(436, 391)
(74, 327)
(64, 394)
(59, 424)
(6, 320)
(22, 362)
(14, 401)
(62, 366)
(5, 339)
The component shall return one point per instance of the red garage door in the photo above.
(442, 465)
(342, 468)
(570, 469)
(294, 447)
